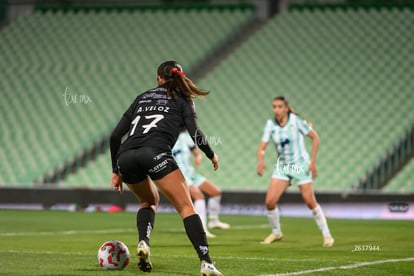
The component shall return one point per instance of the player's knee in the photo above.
(150, 204)
(310, 202)
(216, 192)
(270, 204)
(210, 188)
(197, 196)
(195, 193)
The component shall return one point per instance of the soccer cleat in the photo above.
(143, 253)
(210, 235)
(218, 225)
(328, 242)
(208, 269)
(272, 238)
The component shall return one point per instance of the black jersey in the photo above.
(155, 119)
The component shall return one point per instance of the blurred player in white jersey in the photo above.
(287, 130)
(182, 151)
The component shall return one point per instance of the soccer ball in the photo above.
(113, 255)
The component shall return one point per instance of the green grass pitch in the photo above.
(64, 243)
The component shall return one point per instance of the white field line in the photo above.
(43, 252)
(47, 252)
(68, 232)
(236, 258)
(350, 266)
(110, 231)
(235, 227)
(301, 272)
(245, 227)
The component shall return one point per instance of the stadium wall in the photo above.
(336, 205)
(49, 195)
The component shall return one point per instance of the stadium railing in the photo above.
(390, 164)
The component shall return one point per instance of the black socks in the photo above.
(193, 228)
(145, 223)
(197, 236)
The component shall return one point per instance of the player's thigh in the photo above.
(275, 191)
(146, 193)
(195, 192)
(209, 188)
(175, 189)
(308, 195)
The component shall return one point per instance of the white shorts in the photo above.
(193, 179)
(298, 172)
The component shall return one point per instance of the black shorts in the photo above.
(136, 164)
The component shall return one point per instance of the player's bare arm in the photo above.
(315, 145)
(261, 167)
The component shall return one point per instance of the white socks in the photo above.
(200, 207)
(274, 220)
(214, 208)
(321, 221)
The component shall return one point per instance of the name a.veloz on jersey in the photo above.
(159, 108)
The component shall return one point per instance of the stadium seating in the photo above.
(403, 182)
(96, 174)
(347, 71)
(68, 76)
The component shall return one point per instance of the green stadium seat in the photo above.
(403, 182)
(345, 70)
(109, 56)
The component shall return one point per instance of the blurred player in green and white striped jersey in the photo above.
(287, 130)
(182, 151)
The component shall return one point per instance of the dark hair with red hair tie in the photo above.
(176, 82)
(177, 71)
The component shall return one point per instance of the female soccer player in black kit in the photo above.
(152, 124)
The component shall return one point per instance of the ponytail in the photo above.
(291, 109)
(177, 83)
